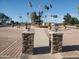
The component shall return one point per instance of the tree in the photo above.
(33, 17)
(4, 18)
(12, 23)
(74, 20)
(67, 18)
(36, 19)
(7, 19)
(39, 21)
(55, 16)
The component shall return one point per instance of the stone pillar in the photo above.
(57, 42)
(28, 42)
(50, 34)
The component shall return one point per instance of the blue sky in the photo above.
(16, 8)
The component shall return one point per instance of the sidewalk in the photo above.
(41, 44)
(40, 38)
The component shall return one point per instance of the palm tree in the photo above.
(12, 23)
(27, 13)
(4, 18)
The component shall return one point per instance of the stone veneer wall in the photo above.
(57, 42)
(28, 42)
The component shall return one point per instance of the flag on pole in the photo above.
(50, 6)
(46, 7)
(50, 3)
(29, 4)
(20, 16)
(27, 13)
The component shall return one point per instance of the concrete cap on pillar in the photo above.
(57, 33)
(28, 32)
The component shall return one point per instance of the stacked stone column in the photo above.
(57, 42)
(28, 42)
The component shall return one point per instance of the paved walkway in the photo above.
(41, 43)
(41, 39)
